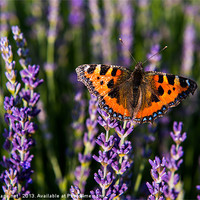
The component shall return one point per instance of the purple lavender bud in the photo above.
(105, 158)
(31, 99)
(9, 102)
(176, 153)
(75, 192)
(156, 190)
(177, 128)
(91, 124)
(22, 51)
(81, 176)
(176, 136)
(104, 182)
(121, 132)
(120, 168)
(150, 188)
(171, 164)
(159, 175)
(156, 164)
(84, 158)
(10, 179)
(124, 149)
(89, 140)
(96, 195)
(11, 76)
(119, 190)
(170, 193)
(106, 145)
(16, 31)
(105, 121)
(29, 76)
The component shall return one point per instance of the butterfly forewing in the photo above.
(101, 79)
(105, 82)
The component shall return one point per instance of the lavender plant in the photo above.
(113, 158)
(154, 61)
(166, 181)
(53, 17)
(76, 15)
(96, 22)
(82, 172)
(188, 41)
(21, 109)
(108, 21)
(126, 29)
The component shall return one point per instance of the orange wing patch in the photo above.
(103, 81)
(115, 109)
(172, 89)
(100, 79)
(167, 91)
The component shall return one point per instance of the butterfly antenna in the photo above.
(128, 50)
(155, 54)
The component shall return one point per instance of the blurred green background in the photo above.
(62, 35)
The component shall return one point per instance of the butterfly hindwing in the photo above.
(120, 101)
(161, 92)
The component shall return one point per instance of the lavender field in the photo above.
(55, 141)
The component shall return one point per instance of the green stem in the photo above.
(121, 143)
(50, 72)
(139, 178)
(105, 167)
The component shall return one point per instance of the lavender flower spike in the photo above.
(154, 61)
(126, 28)
(114, 159)
(23, 51)
(18, 136)
(82, 171)
(76, 15)
(165, 178)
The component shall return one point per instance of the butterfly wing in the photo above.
(160, 91)
(107, 83)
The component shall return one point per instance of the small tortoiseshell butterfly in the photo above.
(134, 95)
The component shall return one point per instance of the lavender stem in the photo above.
(105, 166)
(122, 141)
(139, 177)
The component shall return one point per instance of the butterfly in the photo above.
(134, 95)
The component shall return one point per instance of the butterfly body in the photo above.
(134, 95)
